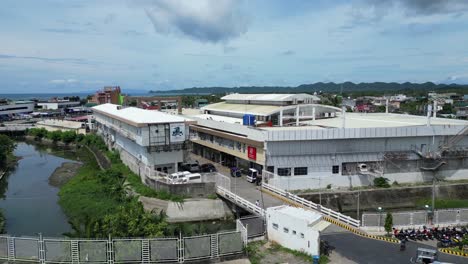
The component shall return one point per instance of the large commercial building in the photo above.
(16, 108)
(312, 146)
(149, 142)
(108, 95)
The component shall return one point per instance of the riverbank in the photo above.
(64, 173)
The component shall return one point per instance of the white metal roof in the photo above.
(137, 115)
(268, 97)
(363, 120)
(305, 215)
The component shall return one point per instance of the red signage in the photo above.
(252, 152)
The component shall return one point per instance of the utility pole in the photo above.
(433, 190)
(357, 207)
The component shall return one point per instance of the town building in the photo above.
(318, 146)
(295, 228)
(57, 104)
(108, 95)
(149, 142)
(7, 109)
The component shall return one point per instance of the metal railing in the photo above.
(311, 205)
(239, 201)
(130, 250)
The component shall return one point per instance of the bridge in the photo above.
(17, 128)
(245, 194)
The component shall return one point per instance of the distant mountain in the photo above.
(124, 91)
(346, 87)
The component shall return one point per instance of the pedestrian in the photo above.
(257, 203)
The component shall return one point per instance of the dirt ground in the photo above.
(270, 253)
(64, 173)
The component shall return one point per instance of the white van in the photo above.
(194, 177)
(177, 177)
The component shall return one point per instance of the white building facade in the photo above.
(18, 107)
(149, 142)
(294, 228)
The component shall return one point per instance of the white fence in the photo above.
(239, 201)
(306, 203)
(418, 218)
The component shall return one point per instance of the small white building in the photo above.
(57, 104)
(295, 228)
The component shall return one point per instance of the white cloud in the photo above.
(63, 81)
(203, 20)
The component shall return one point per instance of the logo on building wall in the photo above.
(177, 132)
(252, 153)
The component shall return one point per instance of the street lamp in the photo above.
(380, 215)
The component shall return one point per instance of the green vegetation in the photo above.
(388, 223)
(444, 203)
(6, 149)
(381, 182)
(2, 222)
(97, 205)
(348, 89)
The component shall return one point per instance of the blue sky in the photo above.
(68, 46)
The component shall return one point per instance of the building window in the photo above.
(275, 226)
(271, 168)
(335, 169)
(286, 230)
(302, 235)
(294, 232)
(300, 171)
(284, 171)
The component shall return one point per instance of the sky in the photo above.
(82, 45)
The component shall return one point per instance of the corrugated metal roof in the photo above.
(269, 97)
(138, 115)
(260, 110)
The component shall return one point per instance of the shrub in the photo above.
(68, 136)
(329, 186)
(55, 135)
(381, 182)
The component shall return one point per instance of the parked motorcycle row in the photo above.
(446, 237)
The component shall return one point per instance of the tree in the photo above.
(388, 223)
(6, 147)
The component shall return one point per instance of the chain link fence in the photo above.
(134, 250)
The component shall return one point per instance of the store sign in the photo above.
(252, 153)
(177, 131)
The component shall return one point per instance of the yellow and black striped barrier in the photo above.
(334, 221)
(452, 252)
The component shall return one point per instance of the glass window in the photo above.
(302, 235)
(300, 171)
(275, 226)
(286, 230)
(293, 232)
(284, 171)
(335, 169)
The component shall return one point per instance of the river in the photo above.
(29, 203)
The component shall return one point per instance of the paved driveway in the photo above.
(363, 250)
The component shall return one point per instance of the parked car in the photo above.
(252, 175)
(207, 167)
(192, 167)
(236, 172)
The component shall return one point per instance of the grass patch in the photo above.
(254, 253)
(444, 203)
(212, 196)
(84, 195)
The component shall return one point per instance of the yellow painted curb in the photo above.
(451, 252)
(334, 221)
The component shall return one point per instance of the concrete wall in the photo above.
(393, 198)
(299, 235)
(194, 190)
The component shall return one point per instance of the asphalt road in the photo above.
(364, 250)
